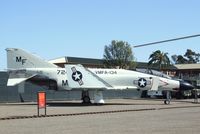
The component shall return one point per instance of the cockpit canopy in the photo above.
(153, 72)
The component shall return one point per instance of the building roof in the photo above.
(91, 61)
(99, 62)
(58, 60)
(187, 66)
(84, 60)
(77, 60)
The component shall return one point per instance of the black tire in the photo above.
(86, 100)
(166, 102)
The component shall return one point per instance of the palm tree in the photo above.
(159, 58)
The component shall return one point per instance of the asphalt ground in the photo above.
(180, 117)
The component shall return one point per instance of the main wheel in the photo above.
(86, 99)
(167, 102)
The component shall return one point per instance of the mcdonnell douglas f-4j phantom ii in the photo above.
(23, 66)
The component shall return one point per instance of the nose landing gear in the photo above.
(168, 98)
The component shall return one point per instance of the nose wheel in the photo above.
(168, 98)
(167, 102)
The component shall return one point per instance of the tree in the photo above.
(159, 58)
(118, 54)
(188, 58)
(179, 59)
(192, 56)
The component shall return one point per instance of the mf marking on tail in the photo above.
(21, 60)
(18, 59)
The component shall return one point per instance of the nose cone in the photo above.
(185, 86)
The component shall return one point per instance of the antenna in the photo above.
(163, 41)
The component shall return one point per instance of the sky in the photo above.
(81, 28)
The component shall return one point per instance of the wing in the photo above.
(81, 78)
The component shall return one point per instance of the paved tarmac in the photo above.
(181, 117)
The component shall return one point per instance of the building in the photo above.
(189, 72)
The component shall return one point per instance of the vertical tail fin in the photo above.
(18, 58)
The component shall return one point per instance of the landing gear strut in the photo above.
(85, 97)
(168, 98)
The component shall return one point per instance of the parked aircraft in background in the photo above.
(23, 66)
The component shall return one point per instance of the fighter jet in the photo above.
(24, 66)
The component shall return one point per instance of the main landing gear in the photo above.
(85, 97)
(168, 98)
(98, 97)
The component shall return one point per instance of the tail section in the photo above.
(18, 58)
(81, 78)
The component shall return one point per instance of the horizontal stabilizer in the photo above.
(18, 76)
(15, 81)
